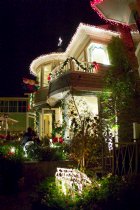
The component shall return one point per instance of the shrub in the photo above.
(114, 193)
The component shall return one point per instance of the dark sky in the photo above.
(30, 28)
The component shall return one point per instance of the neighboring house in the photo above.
(74, 71)
(15, 110)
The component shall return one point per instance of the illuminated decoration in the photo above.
(71, 180)
(45, 58)
(60, 42)
(82, 31)
(94, 31)
(78, 66)
(31, 101)
(26, 147)
(13, 150)
(113, 11)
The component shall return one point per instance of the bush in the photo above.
(114, 193)
(47, 153)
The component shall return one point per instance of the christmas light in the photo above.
(12, 150)
(82, 29)
(71, 180)
(89, 30)
(45, 58)
(93, 4)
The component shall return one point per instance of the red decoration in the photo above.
(96, 66)
(58, 140)
(61, 140)
(49, 77)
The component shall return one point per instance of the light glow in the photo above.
(82, 29)
(13, 150)
(60, 42)
(71, 181)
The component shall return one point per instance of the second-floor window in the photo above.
(98, 53)
(46, 72)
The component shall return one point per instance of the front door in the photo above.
(47, 124)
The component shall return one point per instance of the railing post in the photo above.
(71, 65)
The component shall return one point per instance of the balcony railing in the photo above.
(71, 64)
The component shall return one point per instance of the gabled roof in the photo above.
(82, 33)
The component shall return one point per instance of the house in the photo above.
(15, 110)
(126, 13)
(78, 72)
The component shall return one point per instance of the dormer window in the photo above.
(98, 53)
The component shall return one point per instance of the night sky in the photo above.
(30, 28)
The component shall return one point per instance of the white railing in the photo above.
(72, 64)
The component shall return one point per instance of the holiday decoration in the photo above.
(113, 11)
(84, 29)
(96, 66)
(71, 180)
(29, 85)
(91, 68)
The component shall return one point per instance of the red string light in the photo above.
(93, 4)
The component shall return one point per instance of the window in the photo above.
(22, 106)
(98, 53)
(39, 77)
(46, 72)
(12, 106)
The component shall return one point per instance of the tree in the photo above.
(87, 134)
(118, 94)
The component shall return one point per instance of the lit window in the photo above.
(46, 72)
(98, 53)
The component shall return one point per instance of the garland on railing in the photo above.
(61, 70)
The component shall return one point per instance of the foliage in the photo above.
(47, 153)
(87, 134)
(58, 129)
(79, 65)
(49, 196)
(111, 193)
(11, 150)
(119, 83)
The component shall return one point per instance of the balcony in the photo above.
(72, 75)
(78, 76)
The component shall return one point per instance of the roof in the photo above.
(82, 32)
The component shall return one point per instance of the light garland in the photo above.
(92, 67)
(44, 58)
(87, 29)
(71, 180)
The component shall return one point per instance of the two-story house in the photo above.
(78, 71)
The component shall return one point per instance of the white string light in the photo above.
(71, 180)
